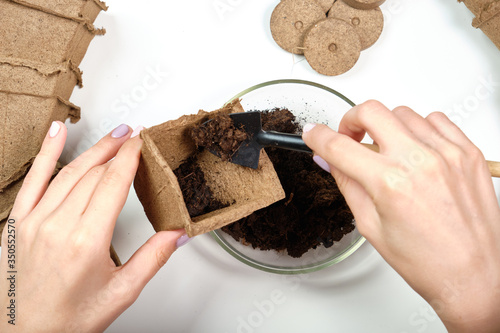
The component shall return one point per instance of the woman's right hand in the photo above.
(426, 202)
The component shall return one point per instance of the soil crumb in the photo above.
(220, 136)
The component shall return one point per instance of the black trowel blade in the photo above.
(249, 152)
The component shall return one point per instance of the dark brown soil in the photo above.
(219, 136)
(314, 211)
(197, 194)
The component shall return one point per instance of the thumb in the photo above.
(150, 257)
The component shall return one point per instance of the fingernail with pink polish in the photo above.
(322, 163)
(183, 240)
(137, 131)
(120, 131)
(308, 127)
(54, 129)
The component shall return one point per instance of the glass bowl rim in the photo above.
(297, 81)
(288, 270)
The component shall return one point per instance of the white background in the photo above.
(428, 57)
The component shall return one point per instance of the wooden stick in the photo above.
(494, 168)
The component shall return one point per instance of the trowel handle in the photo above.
(282, 140)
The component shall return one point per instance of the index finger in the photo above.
(111, 193)
(36, 181)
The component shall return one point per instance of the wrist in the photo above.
(476, 313)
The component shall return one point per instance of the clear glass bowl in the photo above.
(311, 103)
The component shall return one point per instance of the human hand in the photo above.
(65, 280)
(426, 202)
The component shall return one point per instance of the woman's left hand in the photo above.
(64, 279)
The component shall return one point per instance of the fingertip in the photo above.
(322, 163)
(315, 135)
(307, 128)
(56, 129)
(312, 131)
(137, 131)
(121, 131)
(130, 148)
(174, 239)
(182, 240)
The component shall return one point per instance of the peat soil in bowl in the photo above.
(314, 212)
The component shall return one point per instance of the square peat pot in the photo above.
(168, 145)
(26, 120)
(38, 79)
(32, 34)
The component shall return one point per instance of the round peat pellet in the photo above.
(332, 47)
(367, 23)
(364, 4)
(291, 19)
